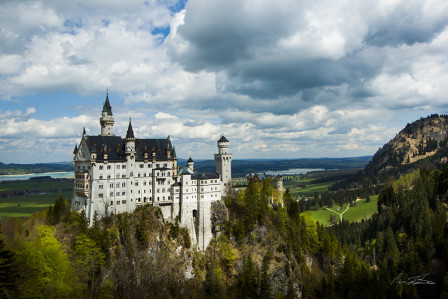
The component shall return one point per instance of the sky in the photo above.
(280, 79)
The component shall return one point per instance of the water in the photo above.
(292, 171)
(23, 177)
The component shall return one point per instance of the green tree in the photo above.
(89, 257)
(8, 272)
(45, 266)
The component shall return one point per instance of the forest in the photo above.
(261, 251)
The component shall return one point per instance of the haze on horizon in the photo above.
(280, 79)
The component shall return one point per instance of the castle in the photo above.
(116, 175)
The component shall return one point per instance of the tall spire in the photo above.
(106, 107)
(130, 133)
(106, 119)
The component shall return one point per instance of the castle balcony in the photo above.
(82, 187)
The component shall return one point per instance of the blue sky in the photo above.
(280, 79)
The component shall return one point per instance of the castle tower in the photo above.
(279, 183)
(223, 162)
(279, 190)
(129, 142)
(106, 120)
(190, 165)
(129, 151)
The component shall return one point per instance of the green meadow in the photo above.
(362, 210)
(19, 205)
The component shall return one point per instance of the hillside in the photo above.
(423, 141)
(13, 168)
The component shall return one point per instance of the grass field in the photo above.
(38, 185)
(17, 206)
(362, 210)
(311, 189)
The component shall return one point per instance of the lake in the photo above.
(292, 171)
(22, 177)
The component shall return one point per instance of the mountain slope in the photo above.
(423, 141)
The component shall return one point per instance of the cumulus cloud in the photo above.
(279, 78)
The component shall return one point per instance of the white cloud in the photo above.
(278, 78)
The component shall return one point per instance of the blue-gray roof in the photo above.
(116, 151)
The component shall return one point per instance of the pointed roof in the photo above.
(106, 107)
(130, 133)
(76, 149)
(190, 160)
(223, 139)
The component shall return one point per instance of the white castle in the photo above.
(116, 175)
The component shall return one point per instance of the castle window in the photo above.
(142, 165)
(108, 177)
(123, 176)
(144, 183)
(144, 174)
(101, 167)
(100, 195)
(111, 185)
(123, 185)
(138, 191)
(163, 198)
(118, 202)
(111, 194)
(124, 201)
(157, 165)
(139, 175)
(118, 193)
(165, 165)
(118, 185)
(118, 166)
(108, 167)
(117, 176)
(136, 183)
(111, 203)
(158, 190)
(123, 193)
(123, 167)
(163, 190)
(101, 177)
(132, 173)
(100, 187)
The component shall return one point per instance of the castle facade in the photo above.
(116, 175)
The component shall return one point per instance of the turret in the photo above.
(75, 151)
(223, 162)
(106, 120)
(223, 145)
(190, 165)
(279, 183)
(130, 141)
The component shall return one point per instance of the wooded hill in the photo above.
(261, 251)
(423, 141)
